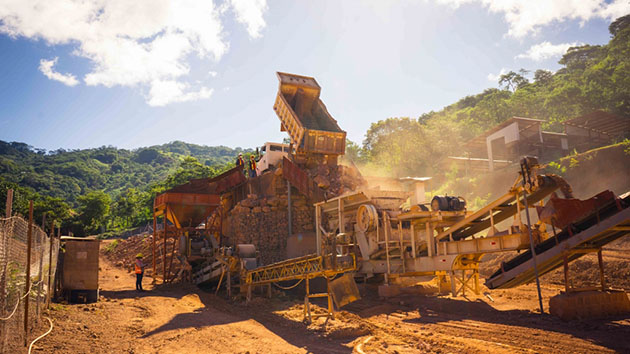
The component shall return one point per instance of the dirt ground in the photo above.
(185, 319)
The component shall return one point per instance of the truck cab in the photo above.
(272, 154)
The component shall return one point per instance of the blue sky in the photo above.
(81, 76)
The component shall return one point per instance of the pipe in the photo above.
(289, 208)
(525, 168)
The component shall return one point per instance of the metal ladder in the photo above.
(394, 247)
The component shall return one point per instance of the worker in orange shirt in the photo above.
(252, 166)
(139, 271)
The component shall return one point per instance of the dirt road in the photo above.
(186, 319)
(173, 319)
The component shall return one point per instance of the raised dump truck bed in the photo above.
(305, 117)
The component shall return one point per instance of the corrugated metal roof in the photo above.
(601, 121)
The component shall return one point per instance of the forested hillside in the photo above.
(68, 174)
(592, 77)
(68, 184)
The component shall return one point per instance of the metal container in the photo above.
(80, 269)
(305, 117)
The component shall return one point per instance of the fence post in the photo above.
(57, 282)
(50, 248)
(40, 242)
(9, 209)
(28, 269)
(155, 233)
(3, 272)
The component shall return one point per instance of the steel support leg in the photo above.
(307, 309)
(566, 273)
(600, 261)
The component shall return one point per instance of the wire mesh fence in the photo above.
(17, 292)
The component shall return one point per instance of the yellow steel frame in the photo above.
(299, 268)
(303, 268)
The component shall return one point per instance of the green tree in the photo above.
(127, 208)
(354, 152)
(512, 80)
(619, 25)
(93, 211)
(189, 168)
(56, 209)
(542, 77)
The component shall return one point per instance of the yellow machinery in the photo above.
(423, 242)
(341, 291)
(450, 243)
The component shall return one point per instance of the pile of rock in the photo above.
(336, 180)
(263, 222)
(122, 253)
(262, 219)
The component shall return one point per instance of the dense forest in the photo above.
(107, 188)
(95, 189)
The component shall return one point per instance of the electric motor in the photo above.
(447, 203)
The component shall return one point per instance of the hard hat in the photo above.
(240, 154)
(139, 255)
(251, 156)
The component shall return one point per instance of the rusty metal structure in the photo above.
(186, 212)
(301, 181)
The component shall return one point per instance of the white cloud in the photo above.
(164, 92)
(46, 67)
(528, 16)
(495, 77)
(140, 43)
(213, 73)
(250, 13)
(545, 50)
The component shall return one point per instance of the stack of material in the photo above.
(338, 179)
(123, 253)
(262, 219)
(263, 222)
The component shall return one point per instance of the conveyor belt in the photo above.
(506, 210)
(605, 225)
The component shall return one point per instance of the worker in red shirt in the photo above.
(139, 271)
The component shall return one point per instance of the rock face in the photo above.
(262, 219)
(266, 226)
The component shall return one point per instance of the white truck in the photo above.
(271, 155)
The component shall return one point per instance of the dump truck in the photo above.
(315, 134)
(272, 154)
